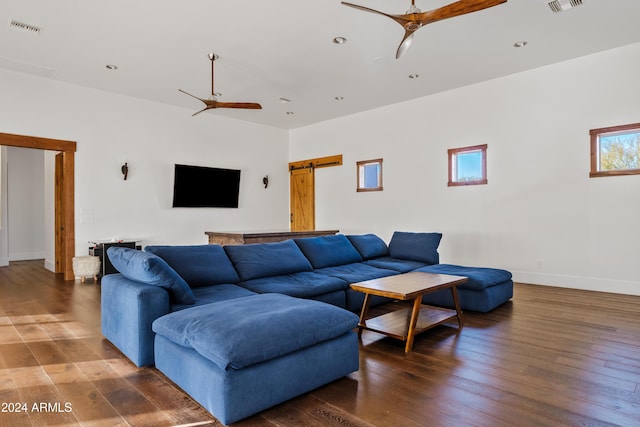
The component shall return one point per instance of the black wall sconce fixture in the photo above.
(125, 170)
(265, 181)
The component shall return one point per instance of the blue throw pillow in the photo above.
(150, 269)
(369, 245)
(199, 265)
(267, 259)
(328, 251)
(421, 247)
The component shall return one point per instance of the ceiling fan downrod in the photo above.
(212, 57)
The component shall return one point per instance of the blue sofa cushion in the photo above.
(472, 300)
(267, 259)
(327, 251)
(400, 265)
(198, 265)
(480, 278)
(305, 284)
(356, 272)
(421, 247)
(369, 245)
(148, 268)
(245, 331)
(210, 294)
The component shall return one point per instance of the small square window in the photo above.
(369, 175)
(468, 165)
(615, 150)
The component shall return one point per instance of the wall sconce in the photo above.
(125, 170)
(265, 181)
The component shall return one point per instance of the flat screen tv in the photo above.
(205, 187)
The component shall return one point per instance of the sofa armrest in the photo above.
(128, 308)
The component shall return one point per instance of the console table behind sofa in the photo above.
(244, 238)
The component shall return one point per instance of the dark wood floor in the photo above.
(550, 357)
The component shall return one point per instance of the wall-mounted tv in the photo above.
(205, 187)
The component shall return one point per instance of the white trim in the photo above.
(626, 287)
(24, 256)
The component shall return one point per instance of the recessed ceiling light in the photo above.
(339, 40)
(284, 100)
(111, 67)
(414, 76)
(338, 98)
(521, 43)
(289, 113)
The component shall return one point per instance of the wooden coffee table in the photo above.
(405, 323)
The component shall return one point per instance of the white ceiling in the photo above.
(283, 48)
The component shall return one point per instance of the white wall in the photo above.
(111, 129)
(25, 203)
(540, 216)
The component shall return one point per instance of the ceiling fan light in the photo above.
(413, 9)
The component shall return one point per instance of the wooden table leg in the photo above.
(363, 314)
(456, 302)
(415, 312)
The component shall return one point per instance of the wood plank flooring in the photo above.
(551, 357)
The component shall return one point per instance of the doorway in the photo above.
(64, 195)
(302, 191)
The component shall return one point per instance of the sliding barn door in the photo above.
(302, 199)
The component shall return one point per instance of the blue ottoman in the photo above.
(239, 357)
(486, 289)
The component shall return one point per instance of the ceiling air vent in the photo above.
(562, 5)
(25, 28)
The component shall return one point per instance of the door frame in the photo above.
(66, 197)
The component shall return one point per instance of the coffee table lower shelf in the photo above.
(395, 324)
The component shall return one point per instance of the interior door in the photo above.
(302, 199)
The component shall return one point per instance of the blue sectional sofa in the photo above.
(242, 328)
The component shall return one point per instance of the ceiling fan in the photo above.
(212, 102)
(414, 18)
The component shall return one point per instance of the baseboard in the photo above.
(625, 287)
(4, 262)
(50, 265)
(26, 256)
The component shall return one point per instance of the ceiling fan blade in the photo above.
(461, 7)
(204, 109)
(405, 44)
(400, 19)
(245, 105)
(366, 9)
(193, 96)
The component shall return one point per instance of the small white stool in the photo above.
(84, 266)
